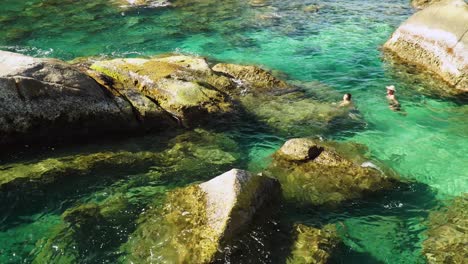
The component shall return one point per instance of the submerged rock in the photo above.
(172, 83)
(448, 233)
(293, 112)
(312, 245)
(87, 230)
(198, 219)
(325, 172)
(435, 39)
(47, 98)
(49, 171)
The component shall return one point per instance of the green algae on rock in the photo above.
(198, 219)
(256, 77)
(447, 234)
(313, 245)
(435, 38)
(318, 173)
(86, 230)
(165, 82)
(47, 171)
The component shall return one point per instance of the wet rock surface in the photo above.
(316, 172)
(313, 245)
(198, 219)
(435, 39)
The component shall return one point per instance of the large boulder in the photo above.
(435, 39)
(447, 234)
(49, 98)
(182, 85)
(316, 172)
(313, 245)
(197, 220)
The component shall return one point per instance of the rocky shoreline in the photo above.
(49, 100)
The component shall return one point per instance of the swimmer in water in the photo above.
(346, 101)
(392, 101)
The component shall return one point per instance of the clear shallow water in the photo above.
(338, 46)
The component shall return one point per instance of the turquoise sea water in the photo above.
(337, 46)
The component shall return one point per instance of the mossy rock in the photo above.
(86, 230)
(313, 245)
(256, 77)
(325, 173)
(197, 220)
(183, 86)
(447, 234)
(53, 169)
(292, 112)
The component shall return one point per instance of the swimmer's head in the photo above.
(390, 89)
(347, 97)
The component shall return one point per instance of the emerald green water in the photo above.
(337, 46)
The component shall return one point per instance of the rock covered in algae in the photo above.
(47, 171)
(316, 172)
(256, 77)
(172, 83)
(292, 112)
(435, 39)
(198, 219)
(50, 98)
(448, 234)
(313, 245)
(86, 230)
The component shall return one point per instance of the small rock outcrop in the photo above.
(447, 233)
(257, 78)
(436, 39)
(316, 172)
(49, 98)
(141, 3)
(313, 245)
(421, 4)
(198, 219)
(178, 84)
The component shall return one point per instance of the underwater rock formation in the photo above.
(42, 98)
(448, 233)
(315, 172)
(174, 159)
(313, 245)
(436, 39)
(198, 219)
(85, 229)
